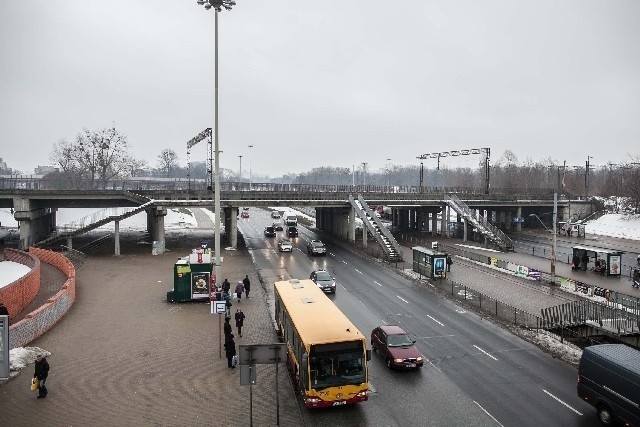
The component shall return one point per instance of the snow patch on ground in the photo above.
(624, 226)
(11, 271)
(20, 357)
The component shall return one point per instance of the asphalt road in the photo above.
(477, 373)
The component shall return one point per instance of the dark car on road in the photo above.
(277, 226)
(316, 247)
(292, 231)
(323, 279)
(275, 215)
(269, 232)
(396, 347)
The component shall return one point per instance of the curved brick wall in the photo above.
(19, 294)
(42, 319)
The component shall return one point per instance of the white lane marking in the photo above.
(431, 285)
(344, 262)
(486, 412)
(461, 311)
(485, 352)
(431, 363)
(377, 283)
(403, 299)
(357, 271)
(564, 403)
(439, 323)
(436, 336)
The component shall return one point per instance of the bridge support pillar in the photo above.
(519, 214)
(116, 238)
(319, 219)
(35, 223)
(69, 242)
(501, 221)
(443, 222)
(464, 234)
(352, 224)
(230, 225)
(434, 224)
(507, 220)
(448, 208)
(157, 215)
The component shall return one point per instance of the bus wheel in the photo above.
(605, 416)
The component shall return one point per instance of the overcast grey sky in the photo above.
(325, 83)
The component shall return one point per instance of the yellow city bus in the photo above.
(326, 354)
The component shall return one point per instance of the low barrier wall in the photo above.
(19, 294)
(43, 318)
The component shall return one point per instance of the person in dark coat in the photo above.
(226, 286)
(239, 290)
(230, 350)
(449, 262)
(227, 327)
(247, 285)
(3, 310)
(239, 321)
(41, 373)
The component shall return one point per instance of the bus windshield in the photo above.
(338, 366)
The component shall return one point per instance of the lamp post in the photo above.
(240, 172)
(554, 241)
(250, 179)
(364, 174)
(388, 174)
(217, 6)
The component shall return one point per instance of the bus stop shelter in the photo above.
(429, 262)
(605, 261)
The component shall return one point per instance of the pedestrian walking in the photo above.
(41, 373)
(226, 286)
(239, 290)
(230, 350)
(239, 321)
(247, 285)
(227, 327)
(3, 310)
(449, 262)
(227, 299)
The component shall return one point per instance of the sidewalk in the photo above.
(124, 356)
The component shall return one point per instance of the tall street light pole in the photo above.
(240, 172)
(555, 237)
(217, 6)
(250, 179)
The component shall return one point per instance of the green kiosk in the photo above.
(429, 262)
(192, 277)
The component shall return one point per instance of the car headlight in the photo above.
(398, 360)
(419, 359)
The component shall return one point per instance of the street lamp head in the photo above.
(217, 4)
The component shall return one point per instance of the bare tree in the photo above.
(95, 157)
(167, 161)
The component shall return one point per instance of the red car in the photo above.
(397, 347)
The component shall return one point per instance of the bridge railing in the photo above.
(32, 182)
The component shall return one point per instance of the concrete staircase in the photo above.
(383, 236)
(492, 233)
(91, 222)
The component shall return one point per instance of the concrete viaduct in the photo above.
(36, 209)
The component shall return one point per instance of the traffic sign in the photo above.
(218, 307)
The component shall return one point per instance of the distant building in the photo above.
(4, 169)
(43, 170)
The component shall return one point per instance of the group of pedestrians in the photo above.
(243, 286)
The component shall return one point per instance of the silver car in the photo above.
(285, 245)
(323, 279)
